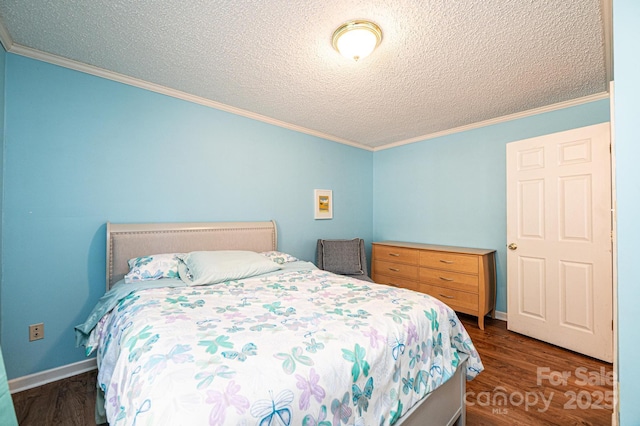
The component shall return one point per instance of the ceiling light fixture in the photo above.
(357, 39)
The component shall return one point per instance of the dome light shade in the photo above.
(357, 39)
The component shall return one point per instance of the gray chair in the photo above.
(343, 257)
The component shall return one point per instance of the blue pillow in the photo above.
(211, 267)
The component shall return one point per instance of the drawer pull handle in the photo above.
(446, 279)
(394, 254)
(394, 269)
(448, 262)
(447, 297)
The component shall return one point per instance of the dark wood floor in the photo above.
(578, 390)
(524, 370)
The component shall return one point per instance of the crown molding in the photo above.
(18, 49)
(503, 119)
(132, 81)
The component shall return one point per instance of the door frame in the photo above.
(614, 255)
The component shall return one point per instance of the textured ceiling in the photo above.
(442, 64)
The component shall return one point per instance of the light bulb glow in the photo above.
(357, 39)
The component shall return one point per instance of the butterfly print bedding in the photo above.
(299, 347)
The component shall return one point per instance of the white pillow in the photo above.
(153, 267)
(210, 267)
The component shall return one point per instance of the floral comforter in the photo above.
(301, 347)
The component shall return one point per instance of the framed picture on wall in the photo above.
(323, 203)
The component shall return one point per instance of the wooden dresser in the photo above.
(463, 278)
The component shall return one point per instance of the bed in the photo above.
(291, 346)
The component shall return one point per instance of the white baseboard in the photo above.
(502, 316)
(42, 378)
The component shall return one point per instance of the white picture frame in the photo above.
(323, 203)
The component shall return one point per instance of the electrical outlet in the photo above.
(36, 332)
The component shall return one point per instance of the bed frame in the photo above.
(444, 406)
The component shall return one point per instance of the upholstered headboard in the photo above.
(126, 241)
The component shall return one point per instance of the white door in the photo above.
(559, 262)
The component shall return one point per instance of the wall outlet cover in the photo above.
(36, 332)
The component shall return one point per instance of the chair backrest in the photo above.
(345, 257)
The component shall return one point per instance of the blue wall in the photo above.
(452, 190)
(81, 150)
(626, 16)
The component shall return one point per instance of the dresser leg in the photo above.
(481, 322)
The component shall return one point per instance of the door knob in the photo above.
(512, 246)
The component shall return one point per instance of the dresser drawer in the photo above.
(449, 261)
(391, 269)
(397, 282)
(457, 300)
(452, 280)
(396, 254)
